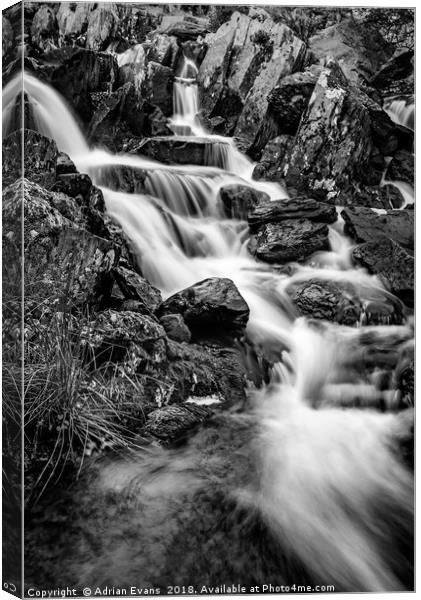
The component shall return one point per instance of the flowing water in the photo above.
(306, 483)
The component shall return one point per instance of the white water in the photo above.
(329, 480)
(401, 110)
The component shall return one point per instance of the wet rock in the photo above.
(7, 41)
(134, 287)
(328, 300)
(359, 48)
(399, 67)
(40, 156)
(385, 311)
(364, 225)
(172, 423)
(64, 164)
(401, 167)
(213, 305)
(289, 99)
(163, 49)
(44, 28)
(342, 142)
(73, 21)
(271, 164)
(157, 86)
(73, 184)
(194, 50)
(292, 239)
(131, 338)
(102, 24)
(238, 200)
(395, 267)
(123, 178)
(187, 28)
(175, 327)
(77, 73)
(386, 196)
(182, 150)
(275, 211)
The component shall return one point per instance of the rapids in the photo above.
(311, 464)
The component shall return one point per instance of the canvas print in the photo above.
(208, 299)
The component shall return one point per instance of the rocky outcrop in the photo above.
(401, 167)
(342, 143)
(394, 265)
(327, 300)
(184, 27)
(396, 76)
(359, 48)
(365, 225)
(246, 57)
(271, 164)
(183, 150)
(211, 306)
(163, 49)
(238, 200)
(44, 29)
(290, 208)
(291, 239)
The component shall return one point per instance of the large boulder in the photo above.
(365, 225)
(210, 306)
(238, 200)
(246, 57)
(157, 86)
(272, 161)
(342, 143)
(276, 211)
(184, 150)
(292, 239)
(327, 300)
(359, 48)
(44, 28)
(394, 266)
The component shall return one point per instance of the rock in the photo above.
(130, 338)
(157, 86)
(194, 50)
(78, 73)
(289, 99)
(359, 48)
(134, 287)
(385, 196)
(163, 49)
(40, 157)
(64, 165)
(175, 328)
(395, 267)
(398, 67)
(183, 150)
(73, 185)
(123, 178)
(184, 29)
(271, 164)
(275, 211)
(342, 142)
(7, 41)
(102, 25)
(171, 423)
(401, 167)
(385, 311)
(213, 306)
(328, 300)
(72, 20)
(44, 29)
(364, 225)
(238, 200)
(292, 239)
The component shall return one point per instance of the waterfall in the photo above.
(51, 115)
(327, 480)
(401, 109)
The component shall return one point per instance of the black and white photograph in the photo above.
(208, 225)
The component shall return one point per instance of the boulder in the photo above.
(102, 25)
(276, 211)
(274, 156)
(72, 19)
(157, 86)
(183, 150)
(40, 157)
(365, 225)
(390, 75)
(172, 423)
(163, 49)
(213, 305)
(73, 184)
(328, 300)
(136, 340)
(289, 99)
(135, 288)
(238, 200)
(175, 327)
(394, 266)
(342, 142)
(187, 28)
(7, 41)
(401, 167)
(44, 29)
(64, 164)
(359, 48)
(292, 239)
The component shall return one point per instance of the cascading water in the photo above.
(326, 480)
(401, 110)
